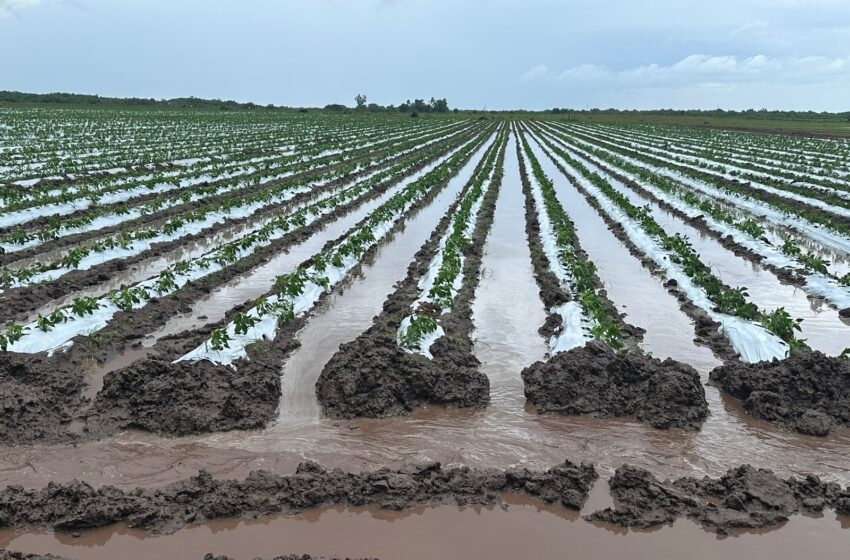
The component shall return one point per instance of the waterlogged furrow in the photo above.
(786, 164)
(86, 315)
(296, 293)
(773, 176)
(835, 204)
(127, 244)
(585, 317)
(443, 280)
(213, 306)
(106, 216)
(816, 278)
(813, 226)
(751, 340)
(107, 191)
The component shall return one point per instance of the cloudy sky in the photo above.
(776, 54)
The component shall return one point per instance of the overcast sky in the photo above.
(499, 54)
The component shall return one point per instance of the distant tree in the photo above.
(360, 99)
(439, 105)
(420, 106)
(335, 107)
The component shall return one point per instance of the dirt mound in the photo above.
(76, 505)
(38, 397)
(745, 497)
(595, 380)
(185, 397)
(808, 392)
(371, 376)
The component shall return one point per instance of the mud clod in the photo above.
(744, 498)
(373, 377)
(185, 397)
(808, 392)
(595, 380)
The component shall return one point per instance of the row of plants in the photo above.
(182, 272)
(580, 280)
(756, 148)
(726, 300)
(58, 226)
(808, 213)
(807, 260)
(439, 289)
(126, 153)
(162, 182)
(827, 199)
(726, 162)
(133, 242)
(295, 293)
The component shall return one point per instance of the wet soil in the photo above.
(744, 498)
(373, 377)
(808, 392)
(77, 506)
(793, 277)
(599, 381)
(14, 555)
(37, 394)
(179, 398)
(320, 167)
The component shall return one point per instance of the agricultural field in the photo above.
(208, 316)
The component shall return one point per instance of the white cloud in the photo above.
(708, 70)
(9, 7)
(535, 73)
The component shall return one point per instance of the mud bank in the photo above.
(744, 498)
(38, 395)
(373, 377)
(808, 392)
(77, 506)
(287, 557)
(596, 380)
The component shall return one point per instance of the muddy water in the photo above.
(525, 529)
(507, 289)
(821, 325)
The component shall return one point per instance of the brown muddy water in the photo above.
(524, 529)
(507, 313)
